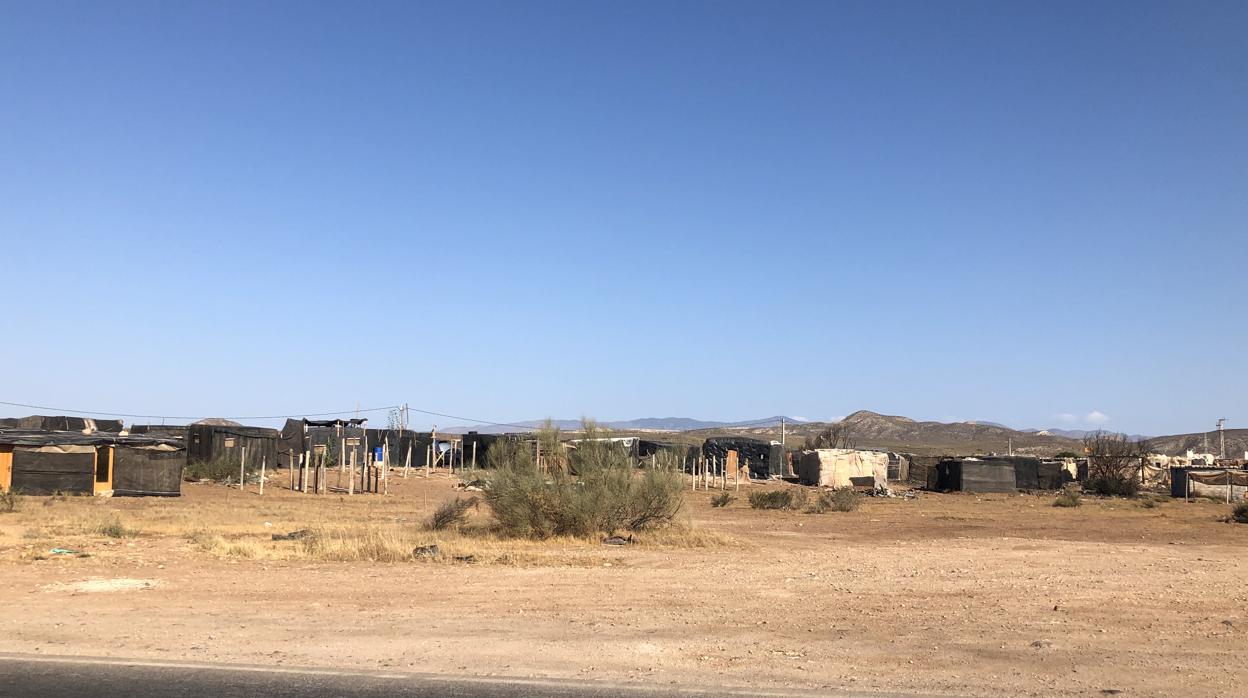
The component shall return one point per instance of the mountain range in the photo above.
(866, 429)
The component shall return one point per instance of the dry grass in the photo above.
(216, 521)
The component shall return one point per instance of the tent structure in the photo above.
(45, 462)
(843, 467)
(766, 459)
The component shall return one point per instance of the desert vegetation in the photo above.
(594, 487)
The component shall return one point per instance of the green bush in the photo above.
(606, 495)
(219, 469)
(722, 499)
(844, 499)
(452, 513)
(506, 453)
(1239, 512)
(778, 499)
(1069, 497)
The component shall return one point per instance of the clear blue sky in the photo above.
(1022, 212)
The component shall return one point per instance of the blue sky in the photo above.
(1033, 213)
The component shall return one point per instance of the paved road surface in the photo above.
(58, 677)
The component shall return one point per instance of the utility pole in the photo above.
(782, 432)
(1221, 439)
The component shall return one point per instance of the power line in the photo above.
(166, 416)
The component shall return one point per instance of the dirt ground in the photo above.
(942, 594)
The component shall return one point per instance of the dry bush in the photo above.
(114, 528)
(8, 502)
(1113, 463)
(605, 495)
(452, 513)
(1070, 497)
(1239, 512)
(844, 499)
(722, 499)
(778, 499)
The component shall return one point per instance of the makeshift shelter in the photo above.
(1228, 484)
(766, 459)
(338, 441)
(898, 467)
(206, 443)
(922, 471)
(976, 475)
(46, 462)
(843, 467)
(648, 449)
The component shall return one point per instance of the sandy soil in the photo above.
(957, 594)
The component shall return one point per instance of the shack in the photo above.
(208, 443)
(1226, 484)
(40, 462)
(765, 458)
(843, 467)
(338, 441)
(976, 475)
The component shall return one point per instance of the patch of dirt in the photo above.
(943, 594)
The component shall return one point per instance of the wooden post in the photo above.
(293, 460)
(262, 464)
(428, 458)
(242, 468)
(474, 454)
(407, 464)
(351, 475)
(304, 463)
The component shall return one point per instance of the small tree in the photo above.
(1113, 463)
(832, 436)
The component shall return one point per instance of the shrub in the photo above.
(506, 453)
(844, 499)
(113, 528)
(606, 494)
(8, 502)
(722, 499)
(778, 499)
(1069, 497)
(452, 513)
(1239, 512)
(220, 469)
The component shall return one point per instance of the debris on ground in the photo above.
(293, 535)
(617, 540)
(425, 551)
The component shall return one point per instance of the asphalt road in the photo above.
(57, 677)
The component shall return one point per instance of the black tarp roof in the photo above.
(30, 437)
(353, 422)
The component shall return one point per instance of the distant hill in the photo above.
(1178, 444)
(868, 429)
(641, 424)
(1076, 433)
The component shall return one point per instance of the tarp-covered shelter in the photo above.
(976, 475)
(1228, 484)
(206, 443)
(338, 440)
(766, 459)
(843, 467)
(922, 472)
(46, 462)
(647, 448)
